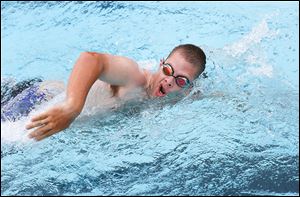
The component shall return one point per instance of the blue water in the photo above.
(239, 136)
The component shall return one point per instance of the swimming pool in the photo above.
(238, 137)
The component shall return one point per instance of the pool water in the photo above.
(236, 133)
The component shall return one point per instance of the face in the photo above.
(172, 81)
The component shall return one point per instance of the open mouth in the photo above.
(162, 92)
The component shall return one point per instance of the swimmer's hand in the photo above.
(52, 121)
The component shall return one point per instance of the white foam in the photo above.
(252, 41)
(14, 131)
(264, 69)
(257, 33)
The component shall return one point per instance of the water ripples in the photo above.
(235, 134)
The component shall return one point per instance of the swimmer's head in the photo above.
(192, 54)
(182, 66)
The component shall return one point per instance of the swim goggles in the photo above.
(181, 81)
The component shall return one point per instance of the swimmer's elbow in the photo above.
(88, 53)
(93, 59)
(91, 56)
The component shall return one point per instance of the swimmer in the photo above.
(123, 77)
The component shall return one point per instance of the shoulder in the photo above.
(119, 69)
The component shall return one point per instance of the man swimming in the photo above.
(123, 76)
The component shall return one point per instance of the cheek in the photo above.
(157, 80)
(160, 78)
(174, 88)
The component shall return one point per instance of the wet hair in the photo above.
(192, 54)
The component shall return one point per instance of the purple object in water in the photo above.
(22, 104)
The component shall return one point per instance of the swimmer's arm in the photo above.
(89, 67)
(85, 72)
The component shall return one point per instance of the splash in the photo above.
(257, 34)
(15, 131)
(252, 41)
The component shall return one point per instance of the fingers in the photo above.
(39, 117)
(40, 131)
(37, 123)
(47, 134)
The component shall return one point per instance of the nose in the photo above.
(169, 81)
